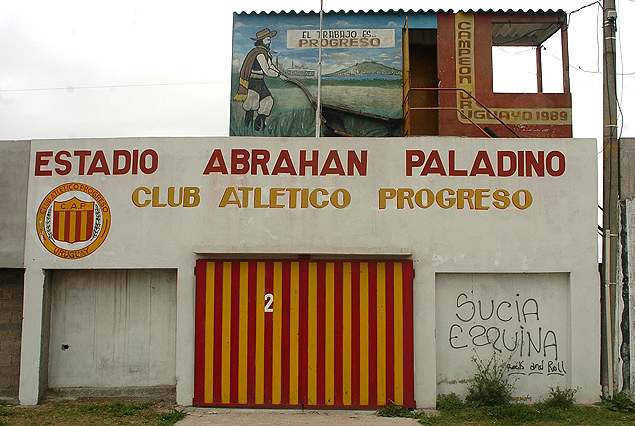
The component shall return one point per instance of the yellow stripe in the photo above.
(209, 333)
(312, 336)
(61, 225)
(72, 237)
(226, 344)
(260, 333)
(398, 332)
(381, 333)
(346, 335)
(242, 332)
(277, 306)
(329, 337)
(294, 336)
(363, 334)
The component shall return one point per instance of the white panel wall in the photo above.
(112, 328)
(522, 320)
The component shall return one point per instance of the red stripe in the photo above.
(268, 334)
(321, 328)
(303, 326)
(409, 398)
(199, 333)
(372, 333)
(286, 292)
(235, 331)
(339, 312)
(251, 334)
(390, 331)
(355, 308)
(218, 331)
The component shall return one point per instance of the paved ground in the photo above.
(289, 417)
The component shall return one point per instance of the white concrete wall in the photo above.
(112, 328)
(555, 234)
(520, 320)
(14, 169)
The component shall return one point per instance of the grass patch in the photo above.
(105, 414)
(449, 402)
(516, 414)
(393, 410)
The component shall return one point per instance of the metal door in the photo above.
(313, 333)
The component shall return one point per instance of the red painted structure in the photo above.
(311, 333)
(461, 100)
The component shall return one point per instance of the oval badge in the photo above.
(73, 220)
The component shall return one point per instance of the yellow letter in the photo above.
(191, 197)
(135, 197)
(230, 197)
(386, 194)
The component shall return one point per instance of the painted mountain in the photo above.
(365, 68)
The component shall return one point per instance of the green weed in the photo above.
(560, 398)
(393, 410)
(449, 402)
(491, 385)
(619, 402)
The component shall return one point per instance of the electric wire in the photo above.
(111, 86)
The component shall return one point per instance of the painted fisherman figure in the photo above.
(252, 90)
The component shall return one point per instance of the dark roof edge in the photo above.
(402, 11)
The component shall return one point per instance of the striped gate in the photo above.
(311, 333)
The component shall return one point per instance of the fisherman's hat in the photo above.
(264, 33)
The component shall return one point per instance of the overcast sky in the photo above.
(76, 69)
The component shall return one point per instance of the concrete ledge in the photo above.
(128, 394)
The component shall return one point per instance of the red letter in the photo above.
(154, 165)
(98, 165)
(561, 163)
(487, 168)
(284, 164)
(216, 163)
(117, 153)
(359, 164)
(501, 163)
(240, 157)
(67, 164)
(411, 154)
(453, 171)
(336, 169)
(82, 160)
(41, 161)
(313, 162)
(433, 165)
(259, 157)
(537, 165)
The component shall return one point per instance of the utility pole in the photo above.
(318, 107)
(610, 203)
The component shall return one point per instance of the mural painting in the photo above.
(275, 73)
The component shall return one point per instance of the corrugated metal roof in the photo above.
(507, 32)
(402, 11)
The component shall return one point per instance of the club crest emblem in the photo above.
(73, 220)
